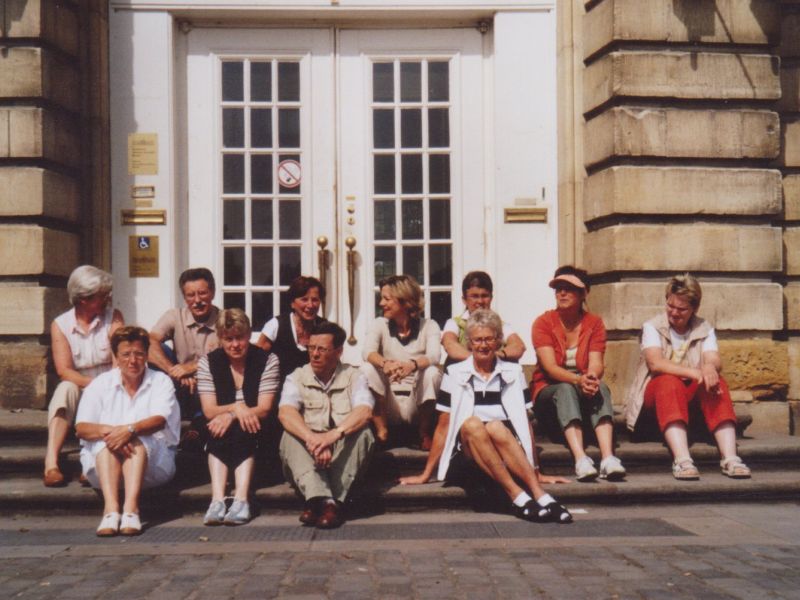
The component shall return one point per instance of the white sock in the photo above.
(545, 499)
(522, 499)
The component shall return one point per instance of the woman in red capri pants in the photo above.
(680, 365)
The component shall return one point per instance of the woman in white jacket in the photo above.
(483, 420)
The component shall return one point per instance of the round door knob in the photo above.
(350, 242)
(322, 241)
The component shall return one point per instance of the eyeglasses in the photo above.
(126, 356)
(483, 340)
(320, 349)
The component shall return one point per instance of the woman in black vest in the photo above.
(237, 384)
(287, 335)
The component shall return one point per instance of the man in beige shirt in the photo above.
(192, 331)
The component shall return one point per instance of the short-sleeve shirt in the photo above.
(360, 396)
(488, 405)
(105, 401)
(680, 342)
(191, 339)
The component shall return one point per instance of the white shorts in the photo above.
(160, 461)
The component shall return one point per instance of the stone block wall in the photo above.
(690, 146)
(53, 132)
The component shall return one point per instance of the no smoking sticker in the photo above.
(289, 173)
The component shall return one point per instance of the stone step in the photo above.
(762, 453)
(28, 496)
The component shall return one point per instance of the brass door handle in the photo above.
(350, 242)
(322, 260)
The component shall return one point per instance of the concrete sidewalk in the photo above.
(685, 551)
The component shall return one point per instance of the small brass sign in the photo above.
(143, 256)
(143, 154)
(527, 214)
(144, 216)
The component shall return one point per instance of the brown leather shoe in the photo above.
(309, 514)
(330, 517)
(53, 478)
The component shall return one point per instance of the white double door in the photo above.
(349, 155)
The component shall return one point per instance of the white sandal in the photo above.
(734, 468)
(684, 470)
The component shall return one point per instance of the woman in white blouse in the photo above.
(81, 345)
(402, 352)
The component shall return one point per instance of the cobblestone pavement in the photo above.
(687, 551)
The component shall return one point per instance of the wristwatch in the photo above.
(341, 432)
(131, 429)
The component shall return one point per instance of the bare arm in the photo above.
(118, 436)
(451, 346)
(264, 342)
(437, 447)
(658, 365)
(514, 348)
(156, 354)
(62, 358)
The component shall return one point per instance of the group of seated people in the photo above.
(474, 417)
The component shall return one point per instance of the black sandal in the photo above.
(532, 512)
(558, 513)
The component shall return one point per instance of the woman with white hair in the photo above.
(81, 344)
(484, 422)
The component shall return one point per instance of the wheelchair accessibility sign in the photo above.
(143, 256)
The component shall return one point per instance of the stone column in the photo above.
(49, 126)
(681, 138)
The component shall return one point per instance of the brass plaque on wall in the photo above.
(140, 216)
(143, 256)
(143, 154)
(525, 214)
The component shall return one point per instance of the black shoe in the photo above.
(532, 512)
(558, 513)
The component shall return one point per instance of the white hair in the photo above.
(86, 281)
(483, 317)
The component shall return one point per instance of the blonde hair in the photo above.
(686, 286)
(232, 321)
(407, 292)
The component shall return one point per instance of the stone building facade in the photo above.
(678, 150)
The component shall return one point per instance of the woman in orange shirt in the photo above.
(570, 343)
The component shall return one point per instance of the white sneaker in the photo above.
(109, 525)
(611, 468)
(130, 525)
(584, 469)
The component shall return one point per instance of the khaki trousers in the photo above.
(66, 396)
(349, 462)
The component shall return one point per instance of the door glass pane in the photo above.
(438, 128)
(262, 265)
(438, 81)
(440, 308)
(232, 81)
(411, 128)
(382, 82)
(385, 262)
(289, 128)
(384, 174)
(234, 300)
(289, 219)
(383, 128)
(288, 81)
(261, 173)
(289, 264)
(439, 174)
(261, 128)
(414, 262)
(262, 309)
(261, 81)
(233, 174)
(261, 219)
(439, 219)
(412, 219)
(384, 220)
(233, 219)
(412, 173)
(441, 264)
(234, 266)
(233, 127)
(410, 82)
